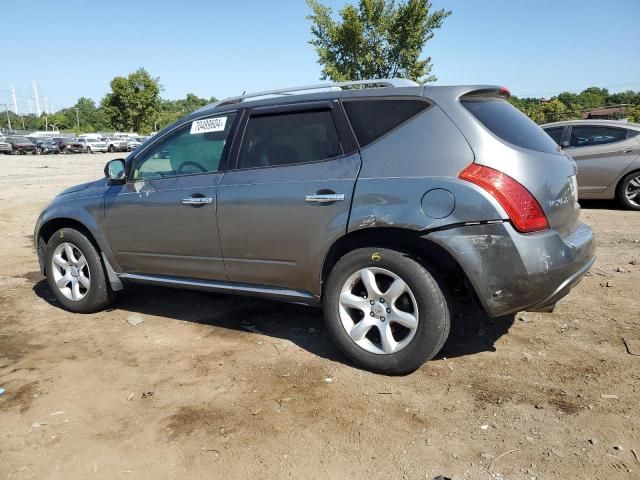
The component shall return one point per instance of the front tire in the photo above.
(75, 273)
(385, 311)
(629, 191)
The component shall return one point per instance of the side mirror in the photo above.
(114, 170)
(564, 144)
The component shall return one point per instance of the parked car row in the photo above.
(21, 145)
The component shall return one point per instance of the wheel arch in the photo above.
(635, 169)
(431, 255)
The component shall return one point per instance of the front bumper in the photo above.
(511, 272)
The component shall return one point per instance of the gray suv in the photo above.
(379, 200)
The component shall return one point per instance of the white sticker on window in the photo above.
(209, 125)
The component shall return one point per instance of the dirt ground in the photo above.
(214, 386)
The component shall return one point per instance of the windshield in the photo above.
(92, 140)
(19, 139)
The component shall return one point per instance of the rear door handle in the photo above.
(197, 200)
(324, 197)
(626, 150)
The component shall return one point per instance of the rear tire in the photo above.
(75, 273)
(629, 191)
(405, 313)
(111, 149)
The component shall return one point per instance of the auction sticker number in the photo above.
(209, 125)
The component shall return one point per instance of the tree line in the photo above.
(132, 105)
(568, 106)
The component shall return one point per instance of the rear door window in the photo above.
(590, 135)
(289, 138)
(555, 133)
(371, 119)
(508, 123)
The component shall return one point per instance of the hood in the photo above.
(89, 186)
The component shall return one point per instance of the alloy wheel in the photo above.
(632, 191)
(378, 310)
(71, 271)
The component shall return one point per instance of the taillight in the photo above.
(523, 209)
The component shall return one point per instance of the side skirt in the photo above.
(273, 293)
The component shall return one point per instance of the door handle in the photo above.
(197, 200)
(626, 150)
(324, 197)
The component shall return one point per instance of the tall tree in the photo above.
(134, 102)
(376, 39)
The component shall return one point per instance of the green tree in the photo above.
(173, 110)
(134, 102)
(554, 111)
(593, 97)
(376, 39)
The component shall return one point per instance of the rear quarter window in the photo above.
(371, 119)
(509, 124)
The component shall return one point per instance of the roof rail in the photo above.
(384, 82)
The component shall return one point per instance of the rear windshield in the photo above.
(510, 124)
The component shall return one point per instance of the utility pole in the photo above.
(13, 95)
(6, 108)
(35, 94)
(77, 118)
(46, 106)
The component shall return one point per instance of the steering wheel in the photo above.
(191, 164)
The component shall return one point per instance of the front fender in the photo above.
(89, 214)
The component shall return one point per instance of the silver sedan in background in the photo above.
(607, 153)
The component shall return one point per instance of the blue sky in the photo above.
(74, 48)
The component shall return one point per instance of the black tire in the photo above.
(99, 294)
(111, 149)
(433, 311)
(38, 151)
(630, 204)
(89, 150)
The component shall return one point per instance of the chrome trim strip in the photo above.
(197, 200)
(324, 197)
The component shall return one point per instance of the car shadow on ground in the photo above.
(600, 205)
(471, 332)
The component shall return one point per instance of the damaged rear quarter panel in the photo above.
(402, 166)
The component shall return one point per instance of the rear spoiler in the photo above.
(502, 92)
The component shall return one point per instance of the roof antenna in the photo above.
(243, 93)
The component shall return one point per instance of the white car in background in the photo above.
(5, 147)
(92, 145)
(115, 144)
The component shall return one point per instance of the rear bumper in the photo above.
(511, 272)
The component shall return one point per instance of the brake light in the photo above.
(523, 209)
(504, 91)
